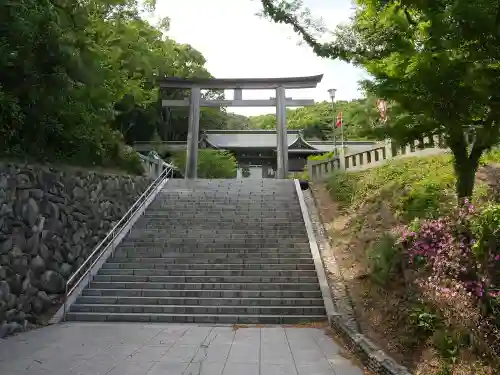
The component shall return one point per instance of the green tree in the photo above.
(211, 163)
(317, 120)
(79, 78)
(437, 61)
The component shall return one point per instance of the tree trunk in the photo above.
(465, 170)
(465, 181)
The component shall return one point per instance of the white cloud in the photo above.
(238, 43)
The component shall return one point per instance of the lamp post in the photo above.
(332, 92)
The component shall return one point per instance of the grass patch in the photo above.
(417, 187)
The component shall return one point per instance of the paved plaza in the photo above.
(172, 349)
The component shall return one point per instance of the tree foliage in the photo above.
(318, 121)
(436, 61)
(78, 78)
(211, 163)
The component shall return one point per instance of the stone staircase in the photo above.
(211, 251)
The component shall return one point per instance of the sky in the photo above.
(239, 44)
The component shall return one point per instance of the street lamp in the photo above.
(332, 92)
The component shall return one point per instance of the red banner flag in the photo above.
(338, 124)
(382, 108)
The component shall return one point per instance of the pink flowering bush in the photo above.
(460, 253)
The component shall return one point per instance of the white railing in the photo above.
(85, 270)
(320, 169)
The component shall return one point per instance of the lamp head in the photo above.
(332, 92)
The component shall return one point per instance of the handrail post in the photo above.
(65, 301)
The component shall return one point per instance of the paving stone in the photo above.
(241, 369)
(278, 369)
(315, 368)
(204, 368)
(170, 368)
(132, 368)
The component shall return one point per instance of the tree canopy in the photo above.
(437, 62)
(318, 121)
(78, 78)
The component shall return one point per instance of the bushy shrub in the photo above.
(424, 200)
(327, 156)
(385, 260)
(343, 187)
(444, 246)
(490, 157)
(461, 255)
(458, 258)
(486, 250)
(211, 163)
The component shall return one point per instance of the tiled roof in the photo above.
(231, 139)
(247, 138)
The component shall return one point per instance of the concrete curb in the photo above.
(318, 262)
(367, 351)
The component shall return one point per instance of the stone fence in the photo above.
(321, 169)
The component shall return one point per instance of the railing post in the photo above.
(388, 149)
(310, 170)
(342, 163)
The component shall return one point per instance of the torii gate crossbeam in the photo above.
(195, 102)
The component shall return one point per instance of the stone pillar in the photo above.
(193, 133)
(342, 164)
(282, 157)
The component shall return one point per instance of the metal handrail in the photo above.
(71, 285)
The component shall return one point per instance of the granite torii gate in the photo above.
(238, 84)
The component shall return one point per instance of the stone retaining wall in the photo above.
(50, 221)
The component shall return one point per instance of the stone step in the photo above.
(214, 209)
(190, 228)
(208, 294)
(222, 256)
(204, 286)
(206, 279)
(209, 273)
(211, 233)
(190, 252)
(205, 266)
(194, 260)
(236, 233)
(223, 246)
(193, 318)
(194, 301)
(228, 225)
(196, 233)
(198, 309)
(252, 219)
(201, 218)
(215, 244)
(226, 241)
(211, 253)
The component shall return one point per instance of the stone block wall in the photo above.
(50, 221)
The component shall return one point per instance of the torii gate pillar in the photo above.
(191, 171)
(282, 149)
(281, 102)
